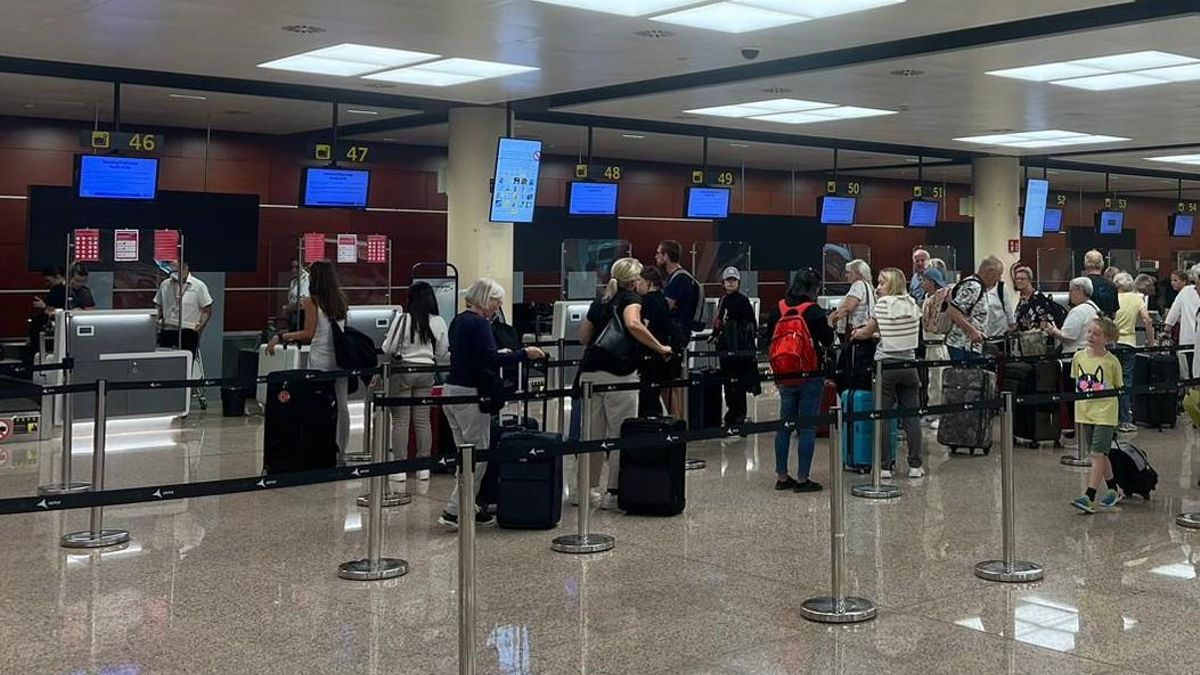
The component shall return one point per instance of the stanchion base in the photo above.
(357, 458)
(869, 491)
(833, 610)
(1020, 572)
(583, 543)
(1189, 520)
(390, 500)
(1074, 460)
(61, 489)
(693, 464)
(365, 570)
(101, 539)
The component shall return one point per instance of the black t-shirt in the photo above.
(81, 298)
(600, 314)
(656, 314)
(683, 288)
(1104, 294)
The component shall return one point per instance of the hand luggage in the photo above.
(529, 490)
(1131, 469)
(1033, 343)
(1155, 410)
(969, 429)
(1191, 406)
(704, 400)
(858, 438)
(829, 397)
(300, 431)
(652, 480)
(488, 497)
(1039, 422)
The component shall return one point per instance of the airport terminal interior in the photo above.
(638, 246)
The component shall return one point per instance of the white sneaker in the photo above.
(937, 422)
(423, 474)
(608, 502)
(402, 477)
(916, 472)
(885, 473)
(593, 497)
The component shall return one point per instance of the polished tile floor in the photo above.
(246, 583)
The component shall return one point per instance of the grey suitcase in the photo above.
(969, 429)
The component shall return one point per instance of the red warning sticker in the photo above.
(6, 427)
(284, 396)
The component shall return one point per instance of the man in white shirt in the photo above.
(297, 291)
(192, 316)
(1183, 312)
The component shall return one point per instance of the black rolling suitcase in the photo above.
(300, 431)
(1038, 422)
(704, 400)
(1131, 469)
(1155, 410)
(489, 486)
(652, 480)
(529, 490)
(969, 429)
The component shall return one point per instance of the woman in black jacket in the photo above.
(735, 329)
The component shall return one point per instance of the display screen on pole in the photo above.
(336, 188)
(834, 210)
(1182, 224)
(1036, 192)
(921, 213)
(1053, 221)
(592, 199)
(1110, 222)
(707, 202)
(111, 177)
(514, 187)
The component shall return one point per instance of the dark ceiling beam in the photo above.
(1068, 165)
(1011, 31)
(377, 126)
(1144, 148)
(227, 85)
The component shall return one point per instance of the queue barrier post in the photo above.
(466, 560)
(1081, 458)
(374, 567)
(560, 379)
(1009, 570)
(837, 608)
(691, 463)
(66, 485)
(876, 489)
(364, 454)
(584, 541)
(382, 425)
(96, 536)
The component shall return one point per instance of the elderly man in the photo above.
(968, 310)
(1104, 292)
(916, 287)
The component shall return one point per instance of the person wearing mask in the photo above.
(183, 316)
(735, 329)
(298, 288)
(684, 296)
(1183, 313)
(418, 338)
(1132, 308)
(1104, 293)
(475, 361)
(325, 306)
(920, 261)
(602, 365)
(803, 397)
(656, 314)
(934, 324)
(968, 310)
(855, 308)
(897, 320)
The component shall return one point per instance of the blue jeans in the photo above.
(1127, 359)
(796, 401)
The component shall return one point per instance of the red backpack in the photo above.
(792, 349)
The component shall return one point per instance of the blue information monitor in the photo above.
(921, 213)
(518, 163)
(1036, 192)
(592, 199)
(109, 177)
(1053, 222)
(837, 210)
(708, 202)
(336, 188)
(1182, 224)
(1110, 222)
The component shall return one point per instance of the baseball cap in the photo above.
(935, 275)
(731, 272)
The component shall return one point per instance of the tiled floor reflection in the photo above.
(246, 583)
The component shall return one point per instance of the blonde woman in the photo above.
(608, 360)
(897, 319)
(855, 308)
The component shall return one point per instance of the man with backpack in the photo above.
(967, 309)
(800, 337)
(685, 297)
(1104, 291)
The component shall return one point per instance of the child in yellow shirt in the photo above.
(1096, 369)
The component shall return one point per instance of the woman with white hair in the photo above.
(1183, 313)
(1073, 334)
(475, 361)
(1131, 308)
(856, 307)
(612, 357)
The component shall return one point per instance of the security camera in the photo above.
(750, 53)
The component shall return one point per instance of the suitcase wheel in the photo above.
(954, 449)
(987, 451)
(1058, 444)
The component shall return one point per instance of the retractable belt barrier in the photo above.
(15, 369)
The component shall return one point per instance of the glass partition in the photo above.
(833, 265)
(586, 265)
(710, 258)
(1055, 269)
(1125, 258)
(1184, 260)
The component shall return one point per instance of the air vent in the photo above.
(655, 33)
(777, 90)
(907, 72)
(303, 29)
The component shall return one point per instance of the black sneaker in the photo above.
(807, 486)
(788, 484)
(451, 521)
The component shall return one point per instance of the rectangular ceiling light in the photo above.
(819, 9)
(347, 60)
(448, 72)
(759, 108)
(1041, 139)
(730, 17)
(623, 7)
(1177, 159)
(1107, 73)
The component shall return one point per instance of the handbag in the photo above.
(617, 350)
(1032, 343)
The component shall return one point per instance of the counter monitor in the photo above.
(834, 210)
(707, 202)
(112, 177)
(592, 199)
(335, 188)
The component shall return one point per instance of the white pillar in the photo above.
(479, 248)
(997, 192)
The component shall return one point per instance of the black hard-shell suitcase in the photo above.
(489, 485)
(704, 400)
(300, 431)
(529, 490)
(969, 429)
(1131, 469)
(1155, 410)
(1038, 422)
(652, 481)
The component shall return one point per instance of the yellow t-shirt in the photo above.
(1096, 373)
(1128, 313)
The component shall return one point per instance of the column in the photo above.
(477, 247)
(997, 190)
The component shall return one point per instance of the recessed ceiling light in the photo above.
(356, 111)
(776, 105)
(347, 60)
(1109, 82)
(190, 97)
(448, 72)
(1119, 63)
(633, 136)
(730, 17)
(819, 9)
(1107, 73)
(622, 7)
(1040, 139)
(1177, 159)
(739, 145)
(1047, 72)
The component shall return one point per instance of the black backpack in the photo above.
(354, 350)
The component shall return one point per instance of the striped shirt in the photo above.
(899, 320)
